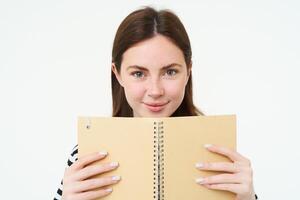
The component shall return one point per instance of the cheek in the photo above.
(134, 91)
(175, 90)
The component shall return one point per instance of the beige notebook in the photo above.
(157, 156)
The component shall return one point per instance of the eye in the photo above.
(137, 74)
(171, 72)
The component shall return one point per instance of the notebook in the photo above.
(157, 156)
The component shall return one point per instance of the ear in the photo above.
(117, 75)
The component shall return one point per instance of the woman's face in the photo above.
(153, 74)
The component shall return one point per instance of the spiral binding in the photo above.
(158, 175)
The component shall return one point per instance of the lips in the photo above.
(156, 107)
(155, 104)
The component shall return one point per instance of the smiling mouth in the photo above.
(156, 107)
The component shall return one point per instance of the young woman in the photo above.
(152, 77)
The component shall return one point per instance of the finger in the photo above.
(235, 188)
(91, 184)
(219, 179)
(90, 195)
(87, 159)
(93, 170)
(232, 154)
(219, 166)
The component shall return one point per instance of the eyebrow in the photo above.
(143, 68)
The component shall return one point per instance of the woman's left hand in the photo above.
(237, 177)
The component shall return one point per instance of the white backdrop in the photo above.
(55, 65)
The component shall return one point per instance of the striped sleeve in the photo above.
(72, 158)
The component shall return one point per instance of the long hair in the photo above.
(141, 25)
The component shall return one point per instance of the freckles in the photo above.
(136, 90)
(175, 89)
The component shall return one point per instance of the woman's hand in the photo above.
(237, 177)
(77, 184)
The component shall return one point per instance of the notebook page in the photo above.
(130, 142)
(184, 139)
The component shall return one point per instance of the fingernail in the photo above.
(207, 145)
(199, 165)
(103, 153)
(114, 164)
(108, 189)
(199, 180)
(116, 178)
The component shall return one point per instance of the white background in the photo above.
(55, 65)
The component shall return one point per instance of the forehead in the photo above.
(155, 52)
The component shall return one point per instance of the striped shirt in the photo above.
(72, 158)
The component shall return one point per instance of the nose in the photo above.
(155, 89)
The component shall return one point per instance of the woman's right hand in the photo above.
(76, 182)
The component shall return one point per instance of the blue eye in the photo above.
(172, 72)
(137, 74)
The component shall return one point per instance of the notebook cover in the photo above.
(130, 142)
(184, 141)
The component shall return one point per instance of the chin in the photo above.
(156, 114)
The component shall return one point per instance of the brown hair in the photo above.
(138, 26)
